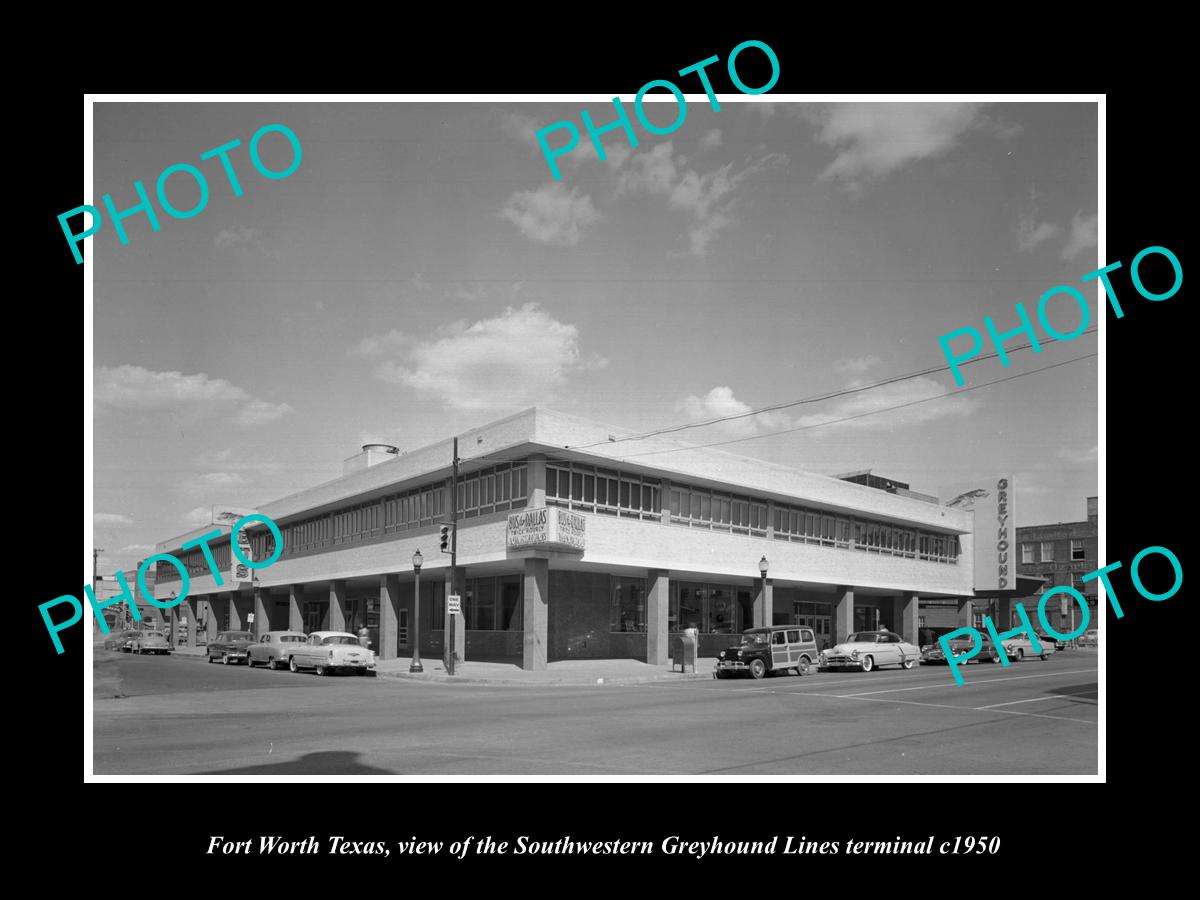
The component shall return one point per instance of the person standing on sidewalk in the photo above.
(364, 638)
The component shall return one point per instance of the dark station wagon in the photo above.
(231, 647)
(777, 648)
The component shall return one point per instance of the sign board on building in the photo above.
(453, 605)
(239, 573)
(993, 502)
(546, 528)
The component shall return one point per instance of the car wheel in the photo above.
(1044, 656)
(271, 663)
(905, 662)
(249, 662)
(292, 664)
(321, 670)
(803, 666)
(758, 668)
(868, 663)
(211, 659)
(224, 659)
(1020, 654)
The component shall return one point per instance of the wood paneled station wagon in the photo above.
(777, 648)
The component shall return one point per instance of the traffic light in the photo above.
(445, 541)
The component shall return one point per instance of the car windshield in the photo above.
(240, 636)
(341, 639)
(291, 638)
(757, 639)
(868, 637)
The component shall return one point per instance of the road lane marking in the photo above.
(1002, 680)
(1031, 700)
(945, 706)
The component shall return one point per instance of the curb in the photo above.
(559, 682)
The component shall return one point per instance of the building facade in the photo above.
(577, 540)
(1062, 554)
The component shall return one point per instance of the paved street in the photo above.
(178, 715)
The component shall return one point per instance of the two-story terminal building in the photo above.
(575, 541)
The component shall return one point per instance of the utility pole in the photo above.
(95, 558)
(453, 551)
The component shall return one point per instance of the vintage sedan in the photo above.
(934, 654)
(118, 640)
(231, 647)
(150, 642)
(272, 649)
(329, 651)
(868, 650)
(1019, 647)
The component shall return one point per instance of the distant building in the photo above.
(1061, 554)
(879, 482)
(117, 616)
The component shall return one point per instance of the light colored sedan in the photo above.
(1019, 647)
(117, 640)
(150, 642)
(272, 649)
(328, 651)
(868, 650)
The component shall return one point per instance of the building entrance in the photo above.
(818, 617)
(866, 618)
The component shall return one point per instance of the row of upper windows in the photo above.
(1047, 555)
(494, 489)
(590, 489)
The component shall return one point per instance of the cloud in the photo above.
(1079, 456)
(720, 401)
(190, 397)
(231, 237)
(111, 519)
(874, 139)
(551, 214)
(711, 139)
(222, 479)
(200, 515)
(1083, 234)
(707, 198)
(889, 395)
(1031, 232)
(136, 548)
(856, 365)
(378, 344)
(515, 359)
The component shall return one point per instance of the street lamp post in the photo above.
(762, 588)
(416, 636)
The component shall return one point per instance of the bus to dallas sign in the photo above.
(546, 528)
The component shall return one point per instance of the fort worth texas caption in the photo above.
(523, 845)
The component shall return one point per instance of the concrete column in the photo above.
(1004, 611)
(262, 611)
(187, 609)
(537, 480)
(764, 603)
(214, 617)
(536, 612)
(240, 605)
(658, 612)
(337, 605)
(389, 616)
(904, 616)
(966, 612)
(296, 607)
(843, 613)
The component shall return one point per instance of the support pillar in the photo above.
(904, 617)
(536, 613)
(296, 607)
(843, 613)
(239, 606)
(537, 481)
(1004, 611)
(187, 609)
(764, 603)
(966, 612)
(389, 616)
(658, 611)
(262, 611)
(212, 618)
(337, 605)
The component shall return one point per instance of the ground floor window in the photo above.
(628, 604)
(488, 604)
(709, 608)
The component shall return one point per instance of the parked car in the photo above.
(329, 651)
(1056, 643)
(118, 640)
(934, 654)
(231, 647)
(149, 642)
(779, 648)
(928, 636)
(1090, 638)
(272, 649)
(867, 650)
(1020, 647)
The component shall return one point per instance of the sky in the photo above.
(421, 273)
